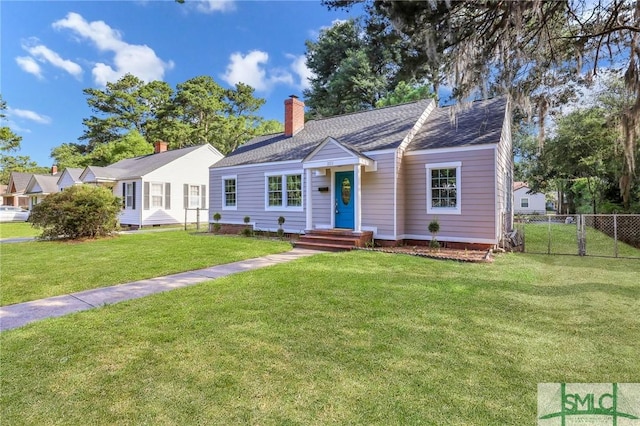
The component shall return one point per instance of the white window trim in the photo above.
(521, 200)
(151, 195)
(284, 207)
(224, 198)
(197, 197)
(128, 192)
(445, 210)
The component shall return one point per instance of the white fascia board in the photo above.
(254, 165)
(453, 149)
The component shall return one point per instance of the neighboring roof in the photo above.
(19, 182)
(48, 184)
(479, 124)
(373, 130)
(140, 166)
(74, 173)
(519, 185)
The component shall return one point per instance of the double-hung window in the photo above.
(229, 192)
(524, 202)
(157, 195)
(283, 191)
(194, 196)
(129, 195)
(443, 188)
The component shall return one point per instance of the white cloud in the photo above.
(28, 115)
(299, 67)
(28, 64)
(139, 60)
(248, 69)
(44, 54)
(213, 6)
(252, 69)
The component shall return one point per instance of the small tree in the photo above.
(216, 226)
(434, 228)
(280, 223)
(247, 231)
(77, 212)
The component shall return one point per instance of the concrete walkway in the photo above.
(17, 315)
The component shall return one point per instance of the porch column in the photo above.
(308, 197)
(357, 210)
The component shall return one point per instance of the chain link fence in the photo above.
(614, 235)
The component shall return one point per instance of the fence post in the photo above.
(185, 218)
(615, 235)
(582, 243)
(549, 235)
(197, 218)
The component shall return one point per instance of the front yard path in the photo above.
(17, 315)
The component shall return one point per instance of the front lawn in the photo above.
(39, 269)
(18, 230)
(349, 338)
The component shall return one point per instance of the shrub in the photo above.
(77, 212)
(216, 217)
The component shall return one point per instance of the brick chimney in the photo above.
(293, 115)
(54, 169)
(160, 146)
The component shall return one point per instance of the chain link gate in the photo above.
(603, 235)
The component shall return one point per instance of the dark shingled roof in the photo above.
(372, 130)
(140, 166)
(480, 124)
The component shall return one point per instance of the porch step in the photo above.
(334, 239)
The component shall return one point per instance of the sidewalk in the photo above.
(17, 315)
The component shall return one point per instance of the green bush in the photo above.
(77, 212)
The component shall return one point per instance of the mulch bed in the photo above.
(442, 253)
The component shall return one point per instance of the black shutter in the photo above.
(203, 196)
(186, 195)
(146, 195)
(167, 196)
(133, 198)
(124, 195)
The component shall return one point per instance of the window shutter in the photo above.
(186, 195)
(167, 196)
(203, 196)
(146, 195)
(133, 198)
(124, 195)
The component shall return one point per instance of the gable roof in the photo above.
(18, 182)
(140, 166)
(519, 185)
(48, 184)
(373, 130)
(73, 172)
(480, 124)
(137, 167)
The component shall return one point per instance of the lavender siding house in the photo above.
(388, 171)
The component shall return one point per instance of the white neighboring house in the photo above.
(69, 177)
(525, 203)
(158, 188)
(40, 186)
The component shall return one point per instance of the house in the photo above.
(69, 177)
(166, 187)
(40, 186)
(14, 195)
(528, 203)
(386, 172)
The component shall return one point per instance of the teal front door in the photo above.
(345, 199)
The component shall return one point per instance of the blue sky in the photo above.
(52, 50)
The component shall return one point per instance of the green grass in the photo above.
(17, 229)
(351, 338)
(34, 270)
(564, 241)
